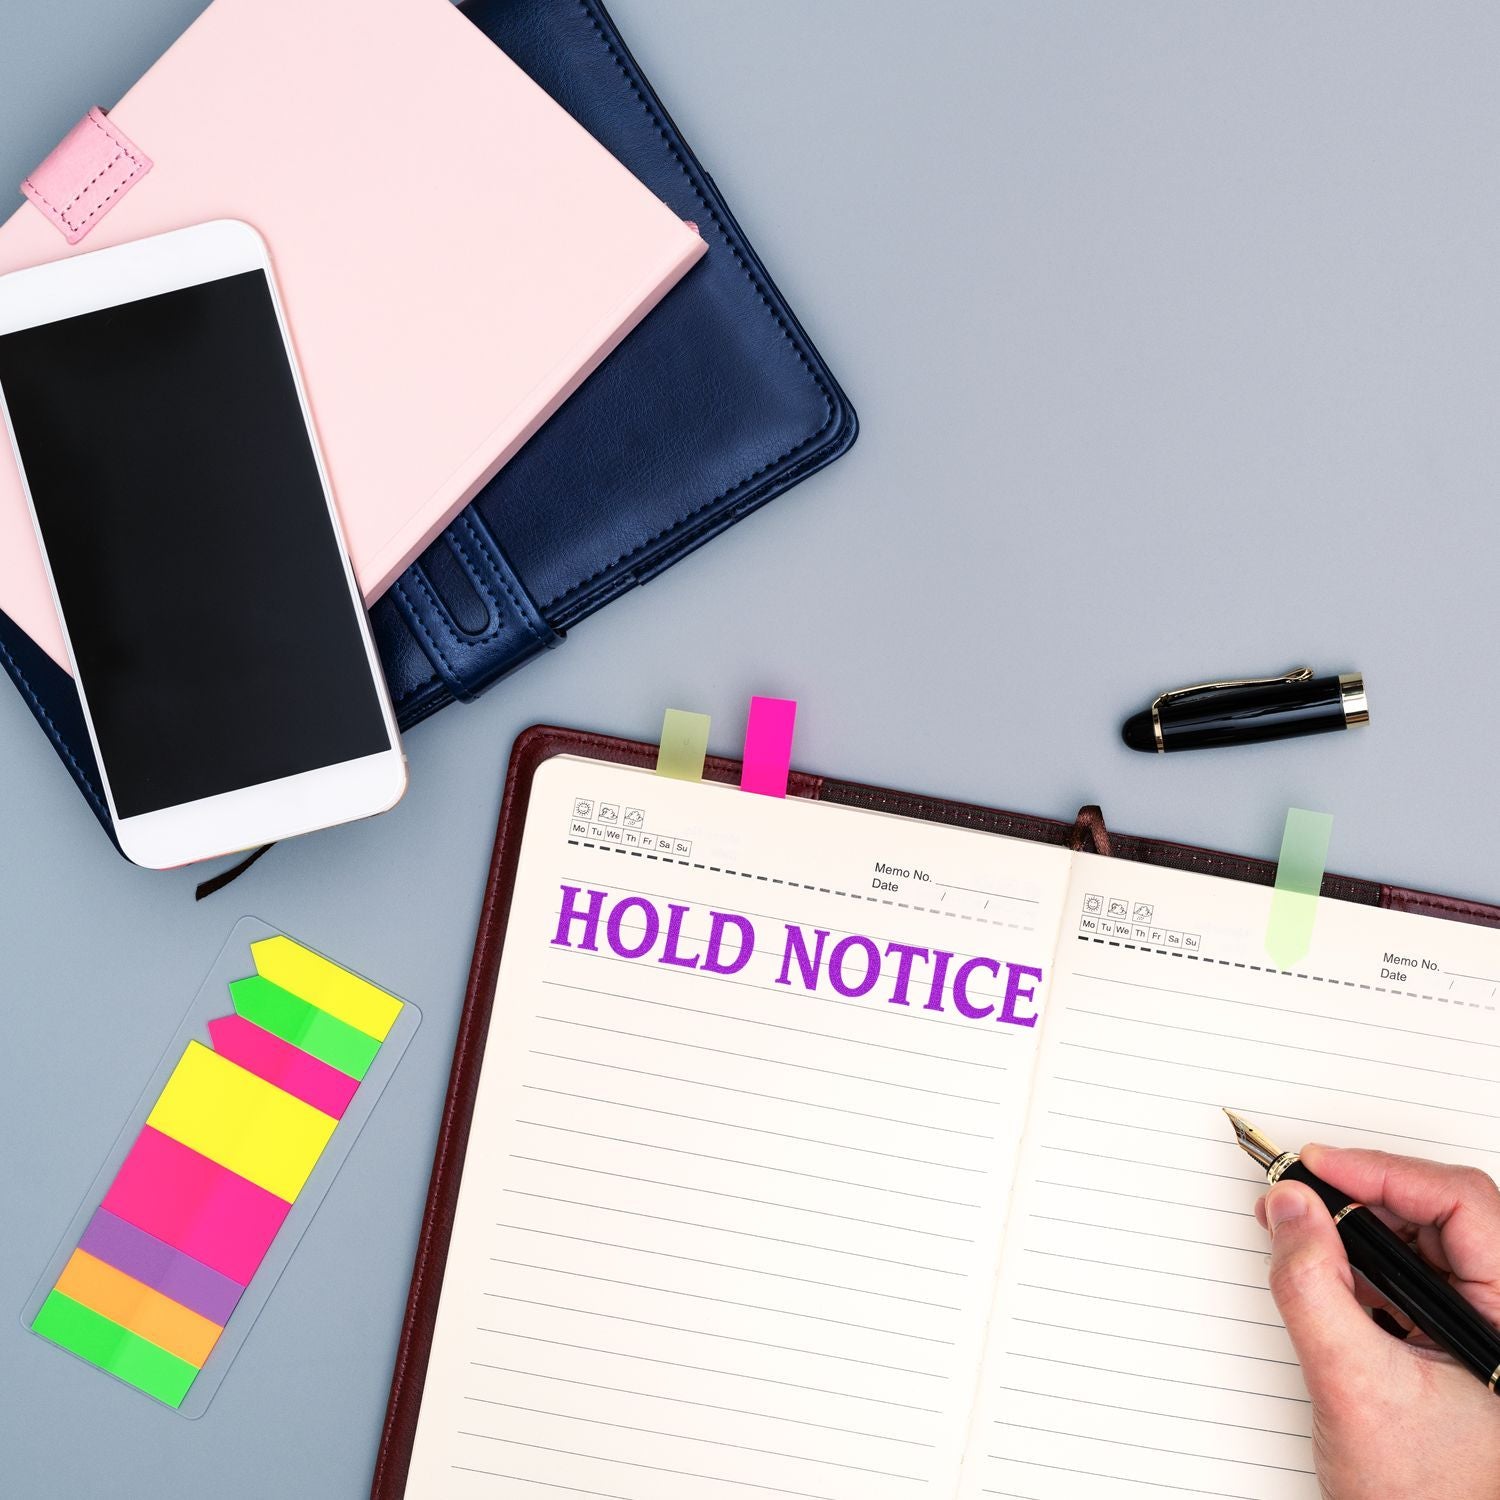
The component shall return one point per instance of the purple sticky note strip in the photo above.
(768, 746)
(156, 1264)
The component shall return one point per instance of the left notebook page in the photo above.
(734, 1193)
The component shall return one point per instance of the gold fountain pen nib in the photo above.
(1252, 1142)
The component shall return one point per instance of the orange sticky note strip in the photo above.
(137, 1307)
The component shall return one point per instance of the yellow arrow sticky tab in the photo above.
(262, 1133)
(322, 983)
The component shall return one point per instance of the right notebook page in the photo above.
(1135, 1352)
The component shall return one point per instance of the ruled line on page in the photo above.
(1250, 1286)
(836, 1286)
(1250, 1179)
(1320, 1085)
(736, 1161)
(1084, 1187)
(1151, 1234)
(1249, 1463)
(1282, 1045)
(740, 1411)
(1279, 1010)
(712, 1442)
(1143, 1411)
(780, 1062)
(744, 1233)
(669, 1291)
(1155, 1484)
(546, 1484)
(825, 1036)
(1204, 1385)
(799, 1208)
(654, 1468)
(1393, 1135)
(678, 1364)
(753, 1094)
(1131, 1338)
(786, 1135)
(707, 1333)
(1192, 1312)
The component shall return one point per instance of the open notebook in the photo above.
(820, 1151)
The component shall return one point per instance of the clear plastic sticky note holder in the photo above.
(223, 1162)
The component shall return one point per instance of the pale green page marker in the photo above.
(684, 744)
(1299, 878)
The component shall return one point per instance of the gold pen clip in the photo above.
(1292, 674)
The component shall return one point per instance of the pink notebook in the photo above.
(455, 253)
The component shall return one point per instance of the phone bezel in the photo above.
(267, 811)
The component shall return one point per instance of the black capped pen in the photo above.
(1248, 710)
(1388, 1263)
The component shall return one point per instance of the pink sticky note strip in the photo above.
(302, 1075)
(768, 746)
(195, 1205)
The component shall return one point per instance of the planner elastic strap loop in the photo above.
(87, 174)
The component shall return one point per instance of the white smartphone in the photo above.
(214, 626)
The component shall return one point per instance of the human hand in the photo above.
(1391, 1418)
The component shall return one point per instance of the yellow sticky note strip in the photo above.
(218, 1109)
(335, 990)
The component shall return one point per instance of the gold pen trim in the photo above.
(1494, 1376)
(1282, 1162)
(1348, 1208)
(1352, 696)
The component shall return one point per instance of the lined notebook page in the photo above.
(723, 1236)
(1139, 1355)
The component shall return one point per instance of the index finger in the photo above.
(1462, 1203)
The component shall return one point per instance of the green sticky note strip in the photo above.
(684, 744)
(1299, 878)
(122, 1353)
(291, 1018)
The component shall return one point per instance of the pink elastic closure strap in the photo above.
(88, 173)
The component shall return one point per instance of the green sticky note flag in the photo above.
(291, 1018)
(1299, 878)
(684, 745)
(102, 1342)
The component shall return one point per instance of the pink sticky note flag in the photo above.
(302, 1075)
(768, 746)
(195, 1205)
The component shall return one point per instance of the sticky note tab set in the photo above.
(184, 1233)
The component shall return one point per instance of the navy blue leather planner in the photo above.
(715, 404)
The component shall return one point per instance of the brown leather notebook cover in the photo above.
(541, 743)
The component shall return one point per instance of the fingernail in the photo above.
(1282, 1206)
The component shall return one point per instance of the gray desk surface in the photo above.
(1173, 331)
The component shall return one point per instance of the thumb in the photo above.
(1337, 1344)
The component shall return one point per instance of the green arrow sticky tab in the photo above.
(684, 744)
(291, 1018)
(1299, 878)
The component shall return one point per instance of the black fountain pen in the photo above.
(1388, 1263)
(1248, 710)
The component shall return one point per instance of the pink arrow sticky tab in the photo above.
(302, 1075)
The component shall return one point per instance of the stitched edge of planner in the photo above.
(53, 733)
(745, 258)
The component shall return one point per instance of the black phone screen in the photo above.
(183, 517)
